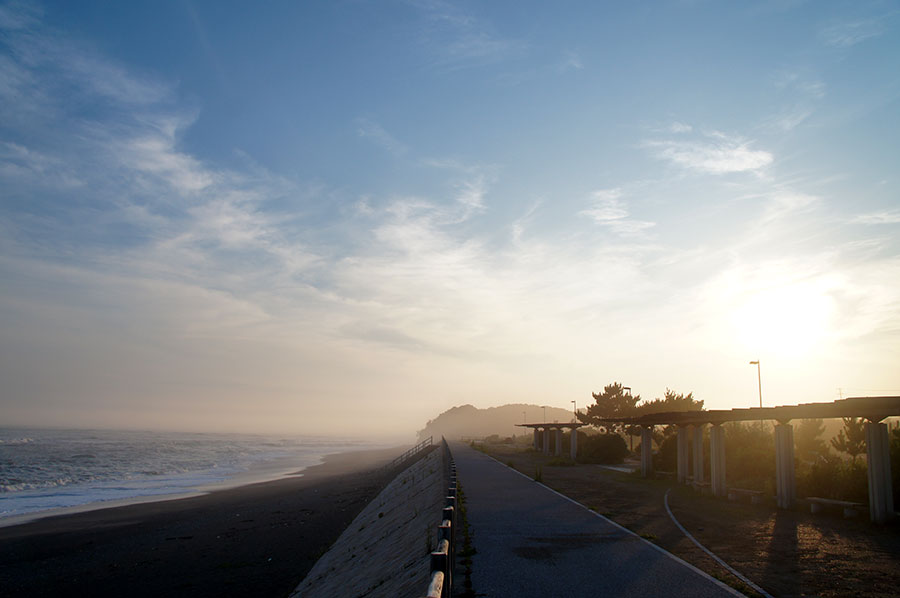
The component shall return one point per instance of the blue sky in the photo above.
(224, 216)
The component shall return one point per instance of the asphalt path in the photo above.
(532, 541)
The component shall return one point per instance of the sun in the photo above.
(791, 321)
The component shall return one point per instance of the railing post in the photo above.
(440, 561)
(449, 514)
(436, 587)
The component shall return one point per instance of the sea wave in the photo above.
(16, 441)
(42, 485)
(49, 469)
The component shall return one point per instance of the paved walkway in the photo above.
(531, 541)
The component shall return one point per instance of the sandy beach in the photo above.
(255, 540)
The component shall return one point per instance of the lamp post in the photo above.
(630, 437)
(574, 410)
(759, 380)
(544, 407)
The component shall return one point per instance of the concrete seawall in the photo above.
(386, 550)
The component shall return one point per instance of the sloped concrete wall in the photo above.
(386, 550)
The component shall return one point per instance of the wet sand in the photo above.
(256, 540)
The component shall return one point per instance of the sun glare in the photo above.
(789, 321)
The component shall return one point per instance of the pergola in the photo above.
(878, 458)
(555, 429)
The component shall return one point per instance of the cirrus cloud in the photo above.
(717, 154)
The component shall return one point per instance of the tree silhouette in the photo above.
(672, 402)
(852, 438)
(612, 403)
(807, 438)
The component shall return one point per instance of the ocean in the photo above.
(45, 470)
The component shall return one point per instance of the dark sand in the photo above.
(258, 540)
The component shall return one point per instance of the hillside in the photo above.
(471, 422)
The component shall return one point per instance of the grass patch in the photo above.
(737, 584)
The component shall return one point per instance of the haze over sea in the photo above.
(44, 469)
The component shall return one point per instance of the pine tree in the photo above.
(610, 404)
(808, 438)
(852, 438)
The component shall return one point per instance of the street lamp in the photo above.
(575, 410)
(630, 437)
(544, 407)
(759, 380)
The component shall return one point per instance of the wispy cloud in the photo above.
(790, 80)
(22, 164)
(610, 211)
(154, 152)
(472, 195)
(790, 118)
(799, 96)
(784, 204)
(20, 15)
(455, 293)
(83, 66)
(369, 129)
(123, 170)
(460, 39)
(571, 62)
(715, 154)
(882, 217)
(849, 33)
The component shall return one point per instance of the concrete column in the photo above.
(573, 444)
(646, 451)
(537, 440)
(785, 479)
(546, 450)
(717, 460)
(699, 472)
(683, 463)
(558, 452)
(878, 459)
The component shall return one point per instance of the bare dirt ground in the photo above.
(786, 553)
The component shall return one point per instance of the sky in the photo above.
(346, 217)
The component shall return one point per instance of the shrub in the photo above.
(749, 456)
(601, 448)
(833, 477)
(667, 457)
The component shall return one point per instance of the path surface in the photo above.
(531, 541)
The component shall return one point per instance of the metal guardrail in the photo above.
(443, 558)
(410, 453)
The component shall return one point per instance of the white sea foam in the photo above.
(23, 440)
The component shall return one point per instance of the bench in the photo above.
(756, 496)
(702, 487)
(850, 509)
